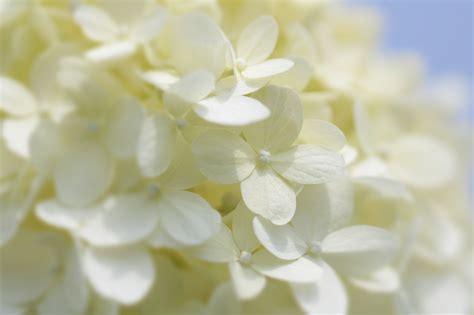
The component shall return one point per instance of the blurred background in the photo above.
(441, 31)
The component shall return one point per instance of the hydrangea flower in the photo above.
(225, 157)
(248, 265)
(267, 164)
(120, 29)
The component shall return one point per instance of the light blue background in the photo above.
(441, 31)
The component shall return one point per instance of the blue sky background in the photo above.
(441, 31)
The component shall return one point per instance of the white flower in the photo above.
(90, 137)
(23, 110)
(248, 265)
(69, 294)
(267, 163)
(251, 68)
(196, 43)
(415, 159)
(255, 44)
(119, 29)
(353, 251)
(164, 212)
(28, 267)
(161, 130)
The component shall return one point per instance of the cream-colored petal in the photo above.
(247, 282)
(156, 144)
(267, 194)
(83, 174)
(327, 295)
(305, 269)
(280, 240)
(257, 41)
(359, 249)
(223, 157)
(308, 164)
(281, 129)
(124, 275)
(322, 133)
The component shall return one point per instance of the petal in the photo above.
(297, 77)
(15, 99)
(159, 238)
(193, 87)
(223, 301)
(422, 161)
(223, 157)
(325, 296)
(308, 164)
(197, 43)
(280, 240)
(156, 144)
(302, 270)
(267, 68)
(218, 249)
(124, 127)
(363, 129)
(111, 52)
(247, 282)
(183, 172)
(281, 129)
(257, 41)
(57, 214)
(268, 195)
(162, 80)
(322, 133)
(372, 166)
(122, 219)
(83, 174)
(124, 275)
(235, 86)
(385, 188)
(17, 134)
(190, 89)
(385, 280)
(187, 217)
(359, 249)
(46, 64)
(71, 294)
(11, 216)
(323, 208)
(149, 26)
(45, 146)
(26, 268)
(312, 218)
(231, 110)
(96, 23)
(242, 230)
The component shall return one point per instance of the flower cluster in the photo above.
(224, 157)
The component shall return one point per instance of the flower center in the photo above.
(240, 63)
(264, 156)
(245, 257)
(315, 248)
(153, 190)
(92, 127)
(181, 123)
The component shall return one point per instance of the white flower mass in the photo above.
(225, 157)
